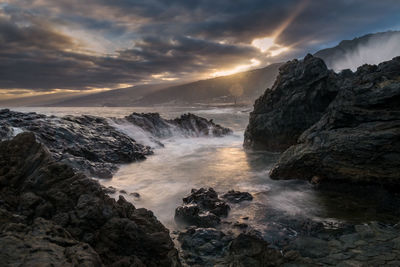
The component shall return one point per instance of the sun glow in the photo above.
(253, 63)
(268, 44)
(264, 44)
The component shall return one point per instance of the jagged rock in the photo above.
(87, 143)
(93, 145)
(298, 99)
(237, 196)
(67, 217)
(249, 249)
(202, 208)
(193, 125)
(188, 125)
(357, 138)
(152, 123)
(204, 246)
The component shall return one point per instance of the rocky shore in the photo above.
(93, 145)
(331, 126)
(52, 215)
(225, 243)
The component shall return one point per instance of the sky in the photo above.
(90, 45)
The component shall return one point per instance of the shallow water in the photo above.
(166, 177)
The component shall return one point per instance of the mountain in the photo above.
(240, 87)
(123, 97)
(368, 49)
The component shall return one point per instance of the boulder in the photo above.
(298, 99)
(55, 215)
(357, 138)
(202, 208)
(237, 196)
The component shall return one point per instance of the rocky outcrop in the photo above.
(298, 99)
(94, 145)
(237, 196)
(87, 143)
(358, 137)
(202, 208)
(51, 215)
(188, 125)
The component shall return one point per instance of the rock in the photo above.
(298, 99)
(43, 243)
(201, 243)
(237, 196)
(193, 125)
(52, 215)
(94, 145)
(240, 225)
(249, 249)
(356, 139)
(135, 194)
(109, 190)
(202, 208)
(188, 125)
(310, 247)
(87, 143)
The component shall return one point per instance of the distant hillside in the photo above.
(242, 87)
(368, 49)
(123, 97)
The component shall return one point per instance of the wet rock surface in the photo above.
(357, 138)
(188, 125)
(202, 208)
(93, 145)
(237, 196)
(298, 99)
(51, 214)
(86, 143)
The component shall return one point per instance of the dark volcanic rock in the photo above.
(87, 143)
(202, 208)
(52, 215)
(188, 125)
(237, 196)
(203, 246)
(299, 97)
(249, 249)
(358, 137)
(193, 125)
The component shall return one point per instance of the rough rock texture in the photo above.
(188, 125)
(299, 97)
(202, 208)
(51, 214)
(193, 125)
(358, 137)
(237, 196)
(87, 143)
(93, 145)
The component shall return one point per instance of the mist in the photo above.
(372, 51)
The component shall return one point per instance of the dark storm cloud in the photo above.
(175, 38)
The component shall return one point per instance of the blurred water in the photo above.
(163, 179)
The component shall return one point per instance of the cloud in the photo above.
(65, 44)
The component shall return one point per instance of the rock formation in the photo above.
(358, 137)
(202, 208)
(336, 126)
(51, 215)
(92, 145)
(297, 100)
(188, 125)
